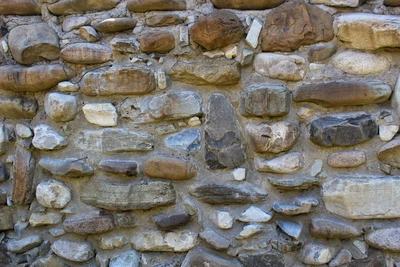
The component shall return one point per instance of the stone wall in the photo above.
(199, 133)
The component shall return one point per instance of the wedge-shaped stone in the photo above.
(127, 167)
(227, 194)
(169, 168)
(33, 79)
(208, 72)
(343, 93)
(363, 198)
(72, 250)
(204, 257)
(388, 153)
(156, 5)
(301, 205)
(123, 140)
(115, 25)
(368, 31)
(66, 7)
(23, 174)
(326, 228)
(385, 239)
(112, 196)
(70, 167)
(19, 7)
(150, 240)
(168, 106)
(118, 81)
(86, 53)
(288, 163)
(347, 129)
(224, 146)
(17, 108)
(85, 225)
(265, 100)
(247, 5)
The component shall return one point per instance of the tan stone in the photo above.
(243, 4)
(86, 53)
(360, 63)
(19, 7)
(389, 153)
(161, 20)
(89, 34)
(65, 7)
(157, 42)
(115, 25)
(347, 159)
(156, 5)
(169, 168)
(17, 108)
(6, 218)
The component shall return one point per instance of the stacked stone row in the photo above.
(201, 128)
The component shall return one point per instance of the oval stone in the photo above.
(360, 63)
(115, 25)
(85, 53)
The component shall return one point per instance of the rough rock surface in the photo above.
(316, 253)
(245, 5)
(127, 167)
(385, 239)
(6, 218)
(157, 42)
(23, 174)
(17, 108)
(172, 220)
(45, 218)
(156, 5)
(263, 258)
(53, 194)
(321, 51)
(84, 225)
(102, 114)
(129, 258)
(347, 159)
(70, 167)
(169, 168)
(159, 20)
(72, 250)
(65, 7)
(360, 63)
(61, 107)
(24, 244)
(46, 138)
(86, 53)
(288, 163)
(19, 7)
(387, 153)
(201, 256)
(217, 241)
(187, 140)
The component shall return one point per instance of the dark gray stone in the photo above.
(24, 244)
(172, 220)
(174, 262)
(84, 225)
(285, 246)
(4, 257)
(270, 258)
(326, 228)
(343, 129)
(3, 172)
(70, 167)
(201, 257)
(217, 241)
(17, 108)
(375, 258)
(321, 51)
(187, 139)
(127, 167)
(224, 148)
(297, 183)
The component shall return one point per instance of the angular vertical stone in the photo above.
(23, 174)
(66, 7)
(224, 146)
(19, 7)
(156, 5)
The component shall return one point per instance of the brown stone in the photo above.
(89, 225)
(66, 7)
(17, 108)
(347, 159)
(344, 93)
(218, 29)
(393, 3)
(389, 153)
(156, 5)
(244, 5)
(121, 81)
(157, 42)
(86, 53)
(6, 219)
(115, 25)
(19, 7)
(321, 51)
(161, 20)
(169, 168)
(326, 228)
(23, 174)
(127, 167)
(33, 79)
(292, 25)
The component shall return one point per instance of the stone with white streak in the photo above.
(282, 67)
(53, 194)
(254, 33)
(179, 241)
(254, 214)
(102, 114)
(224, 220)
(61, 107)
(288, 163)
(360, 63)
(387, 132)
(46, 138)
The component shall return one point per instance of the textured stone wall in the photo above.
(199, 133)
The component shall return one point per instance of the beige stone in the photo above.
(169, 168)
(288, 163)
(360, 63)
(86, 53)
(102, 114)
(65, 7)
(155, 5)
(347, 159)
(19, 7)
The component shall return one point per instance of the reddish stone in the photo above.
(89, 225)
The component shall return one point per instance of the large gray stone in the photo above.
(24, 244)
(61, 107)
(343, 129)
(23, 174)
(72, 250)
(270, 258)
(244, 5)
(84, 225)
(200, 257)
(46, 138)
(69, 167)
(207, 72)
(53, 194)
(362, 197)
(34, 42)
(326, 228)
(130, 258)
(17, 108)
(224, 146)
(19, 7)
(66, 7)
(385, 239)
(86, 53)
(156, 5)
(114, 196)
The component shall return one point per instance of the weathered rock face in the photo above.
(316, 254)
(122, 140)
(33, 79)
(217, 241)
(157, 42)
(263, 258)
(45, 218)
(179, 241)
(292, 25)
(343, 93)
(187, 140)
(362, 198)
(115, 25)
(159, 20)
(53, 194)
(385, 239)
(223, 138)
(129, 258)
(200, 257)
(25, 244)
(19, 7)
(360, 63)
(89, 34)
(127, 167)
(343, 129)
(321, 51)
(240, 4)
(40, 44)
(301, 205)
(217, 30)
(46, 138)
(209, 72)
(392, 3)
(102, 114)
(17, 108)
(72, 23)
(156, 5)
(89, 225)
(23, 174)
(86, 53)
(169, 168)
(347, 159)
(128, 197)
(72, 250)
(288, 163)
(65, 7)
(61, 107)
(326, 228)
(172, 220)
(274, 138)
(368, 31)
(6, 218)
(387, 153)
(70, 167)
(121, 81)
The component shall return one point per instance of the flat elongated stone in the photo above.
(292, 25)
(168, 106)
(157, 42)
(217, 30)
(65, 7)
(161, 20)
(301, 205)
(388, 152)
(293, 183)
(288, 163)
(201, 257)
(169, 168)
(362, 198)
(23, 174)
(89, 225)
(19, 7)
(72, 250)
(128, 197)
(53, 194)
(336, 3)
(121, 81)
(223, 138)
(73, 22)
(70, 167)
(127, 167)
(207, 72)
(247, 5)
(227, 194)
(343, 93)
(265, 100)
(178, 241)
(24, 244)
(347, 159)
(385, 239)
(156, 5)
(86, 53)
(172, 220)
(274, 137)
(17, 108)
(115, 25)
(368, 31)
(33, 79)
(6, 218)
(326, 228)
(391, 3)
(263, 258)
(360, 63)
(40, 44)
(343, 129)
(123, 140)
(61, 107)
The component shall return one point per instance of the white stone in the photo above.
(254, 33)
(276, 66)
(316, 66)
(61, 107)
(194, 121)
(249, 230)
(360, 63)
(254, 214)
(224, 220)
(23, 131)
(214, 53)
(161, 79)
(230, 51)
(184, 36)
(179, 241)
(68, 87)
(3, 138)
(4, 46)
(102, 114)
(45, 218)
(361, 246)
(288, 163)
(53, 194)
(316, 168)
(239, 174)
(387, 132)
(338, 3)
(112, 242)
(46, 138)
